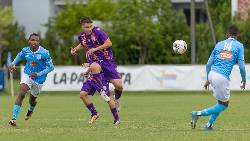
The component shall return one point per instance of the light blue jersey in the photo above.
(39, 62)
(225, 55)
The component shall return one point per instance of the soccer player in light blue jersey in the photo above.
(38, 65)
(219, 66)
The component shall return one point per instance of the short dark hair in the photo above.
(233, 30)
(85, 20)
(33, 34)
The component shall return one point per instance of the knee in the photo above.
(226, 104)
(83, 95)
(119, 87)
(95, 68)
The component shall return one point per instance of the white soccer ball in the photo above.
(179, 46)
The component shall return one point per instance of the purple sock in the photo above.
(91, 109)
(117, 94)
(115, 114)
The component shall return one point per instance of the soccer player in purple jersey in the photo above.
(93, 37)
(98, 47)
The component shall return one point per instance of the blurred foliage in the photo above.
(221, 17)
(65, 27)
(5, 20)
(16, 38)
(142, 31)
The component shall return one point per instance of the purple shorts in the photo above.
(90, 87)
(109, 69)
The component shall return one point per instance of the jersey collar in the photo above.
(231, 38)
(35, 51)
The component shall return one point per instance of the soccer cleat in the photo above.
(94, 118)
(194, 119)
(12, 122)
(28, 115)
(116, 122)
(208, 128)
(117, 104)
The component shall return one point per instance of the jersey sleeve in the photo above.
(19, 57)
(80, 38)
(102, 35)
(241, 63)
(241, 53)
(210, 62)
(49, 65)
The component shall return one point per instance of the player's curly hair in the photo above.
(33, 34)
(232, 30)
(85, 20)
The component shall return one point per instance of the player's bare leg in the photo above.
(32, 105)
(86, 100)
(24, 88)
(118, 92)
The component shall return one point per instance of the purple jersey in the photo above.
(97, 38)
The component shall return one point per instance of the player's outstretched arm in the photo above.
(18, 58)
(74, 50)
(107, 44)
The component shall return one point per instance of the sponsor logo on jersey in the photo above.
(33, 63)
(226, 55)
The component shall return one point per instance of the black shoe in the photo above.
(28, 115)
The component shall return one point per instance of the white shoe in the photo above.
(117, 122)
(94, 118)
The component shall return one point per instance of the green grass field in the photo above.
(148, 116)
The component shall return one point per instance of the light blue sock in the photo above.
(16, 111)
(217, 108)
(212, 118)
(31, 108)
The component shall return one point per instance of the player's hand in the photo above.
(243, 86)
(33, 75)
(84, 43)
(73, 51)
(92, 50)
(86, 74)
(12, 68)
(206, 85)
(85, 65)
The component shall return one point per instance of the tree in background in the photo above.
(16, 37)
(5, 20)
(245, 36)
(142, 32)
(66, 26)
(222, 19)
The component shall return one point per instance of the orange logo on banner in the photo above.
(226, 55)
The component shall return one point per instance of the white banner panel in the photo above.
(142, 78)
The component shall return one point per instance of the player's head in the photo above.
(233, 31)
(33, 40)
(87, 25)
